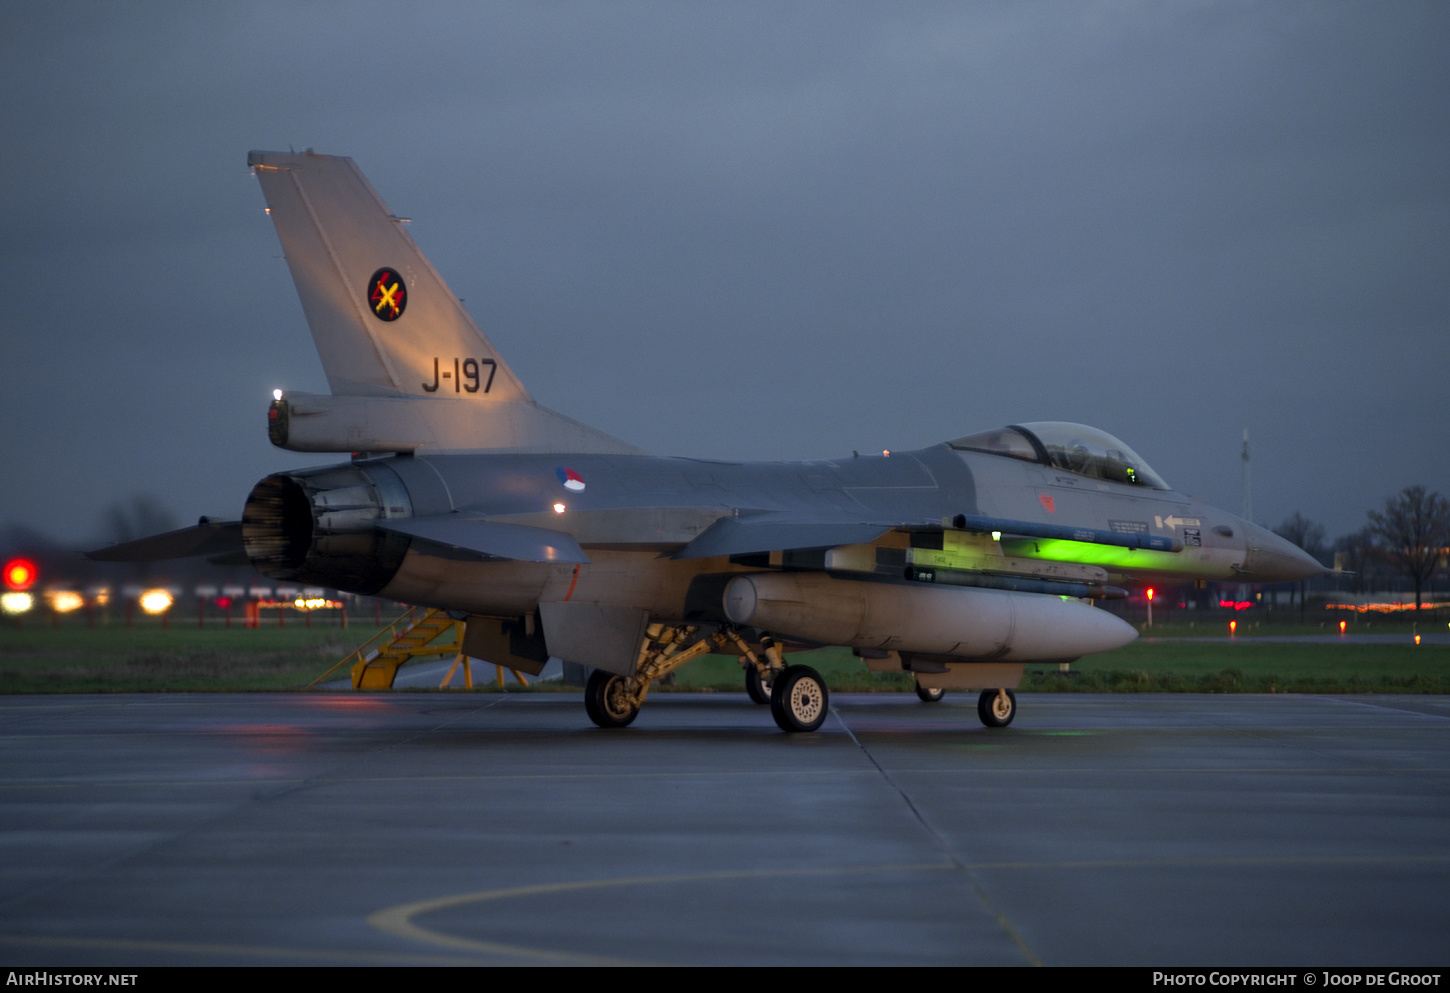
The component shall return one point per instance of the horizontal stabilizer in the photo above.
(1092, 536)
(506, 541)
(214, 538)
(768, 533)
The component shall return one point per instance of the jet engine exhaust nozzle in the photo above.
(316, 526)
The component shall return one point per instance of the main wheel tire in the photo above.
(607, 700)
(798, 699)
(929, 696)
(996, 708)
(758, 688)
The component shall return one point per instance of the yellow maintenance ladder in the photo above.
(414, 635)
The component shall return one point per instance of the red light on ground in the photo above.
(1150, 593)
(223, 602)
(1233, 626)
(1342, 626)
(20, 574)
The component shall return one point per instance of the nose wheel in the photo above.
(996, 708)
(929, 695)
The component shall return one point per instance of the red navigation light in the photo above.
(20, 574)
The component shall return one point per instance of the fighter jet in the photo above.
(958, 563)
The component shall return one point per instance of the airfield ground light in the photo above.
(20, 575)
(16, 603)
(157, 601)
(64, 601)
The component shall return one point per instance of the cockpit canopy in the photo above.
(1067, 446)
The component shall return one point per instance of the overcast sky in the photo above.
(754, 231)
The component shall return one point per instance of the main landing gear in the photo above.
(798, 700)
(609, 700)
(797, 694)
(757, 685)
(613, 701)
(760, 673)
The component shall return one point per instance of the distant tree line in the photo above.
(1406, 539)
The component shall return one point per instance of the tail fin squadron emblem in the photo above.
(387, 295)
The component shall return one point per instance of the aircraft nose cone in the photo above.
(1272, 559)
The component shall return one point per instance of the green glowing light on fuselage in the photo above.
(1111, 557)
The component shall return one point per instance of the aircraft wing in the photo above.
(207, 537)
(506, 541)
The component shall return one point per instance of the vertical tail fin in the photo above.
(390, 332)
(384, 321)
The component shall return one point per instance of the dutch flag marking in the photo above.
(571, 479)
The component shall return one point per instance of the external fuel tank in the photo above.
(964, 623)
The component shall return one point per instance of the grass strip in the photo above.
(74, 659)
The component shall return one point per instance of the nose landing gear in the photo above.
(996, 708)
(929, 695)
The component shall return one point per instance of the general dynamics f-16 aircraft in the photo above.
(958, 563)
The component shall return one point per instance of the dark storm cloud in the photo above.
(742, 231)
